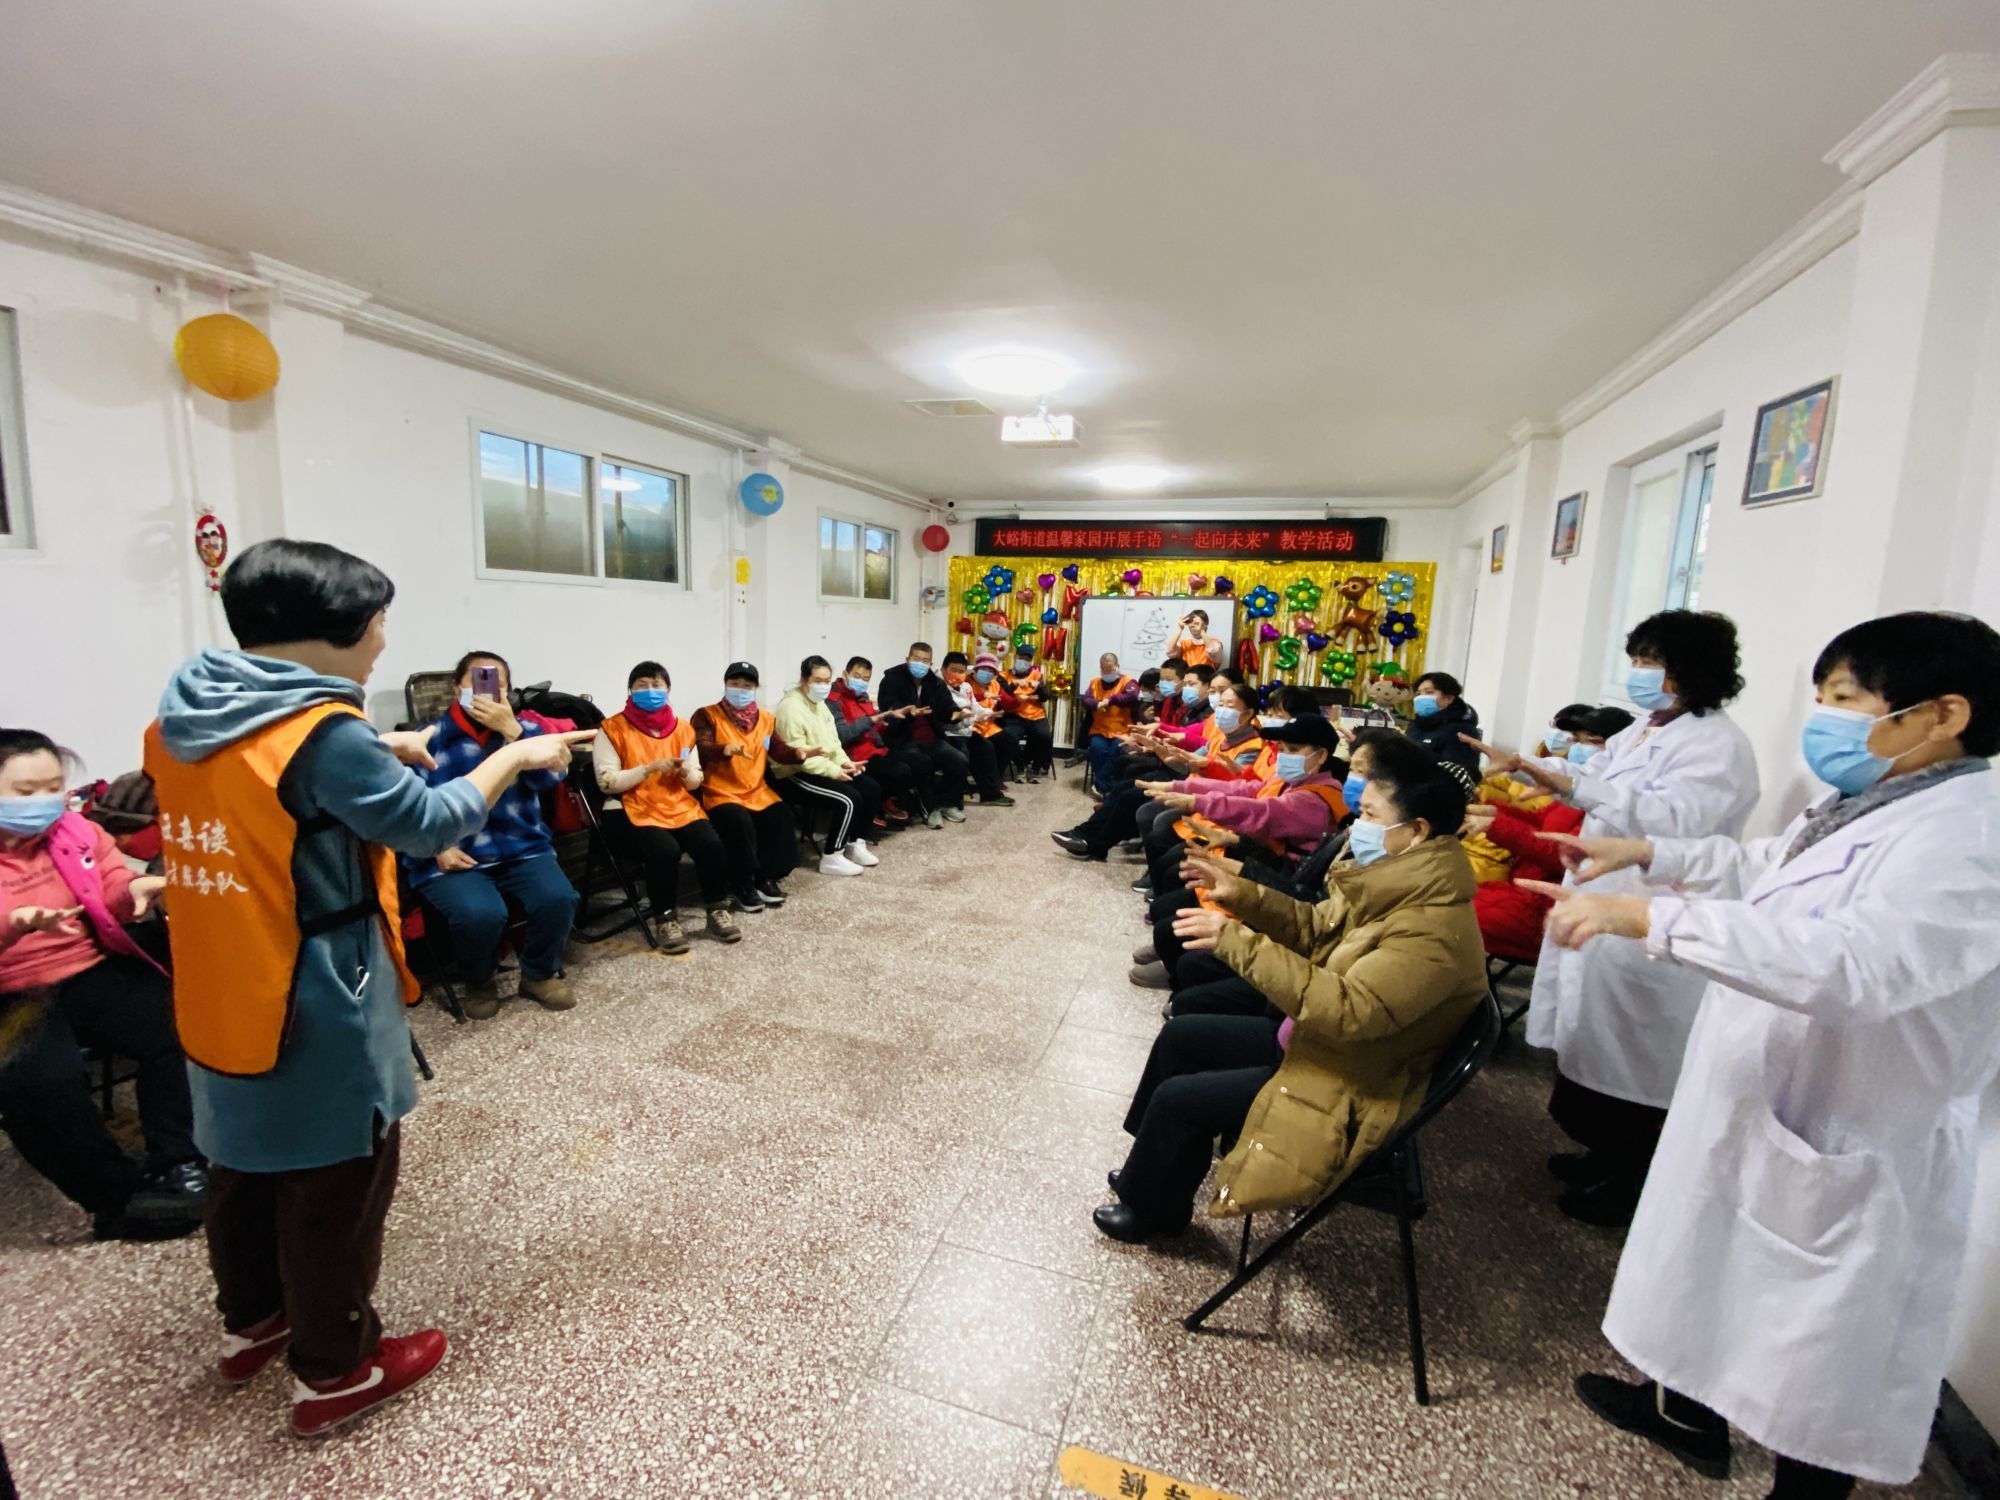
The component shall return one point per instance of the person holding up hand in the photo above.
(279, 811)
(511, 857)
(1193, 644)
(648, 766)
(1798, 1243)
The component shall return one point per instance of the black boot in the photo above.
(1687, 1429)
(1609, 1204)
(1580, 1168)
(1796, 1480)
(1123, 1222)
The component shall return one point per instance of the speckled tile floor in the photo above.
(810, 1217)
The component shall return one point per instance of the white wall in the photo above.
(368, 446)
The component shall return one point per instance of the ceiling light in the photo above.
(620, 486)
(1132, 477)
(1015, 372)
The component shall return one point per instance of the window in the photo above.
(856, 560)
(551, 513)
(14, 531)
(1665, 541)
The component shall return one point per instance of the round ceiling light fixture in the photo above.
(1132, 477)
(1014, 372)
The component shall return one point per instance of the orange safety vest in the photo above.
(1202, 653)
(738, 780)
(662, 800)
(1112, 720)
(1336, 805)
(1028, 690)
(987, 697)
(235, 929)
(1222, 764)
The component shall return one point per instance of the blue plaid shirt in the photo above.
(514, 828)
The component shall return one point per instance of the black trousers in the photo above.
(1115, 819)
(1029, 742)
(1199, 1083)
(1131, 767)
(760, 845)
(660, 851)
(854, 805)
(118, 1005)
(900, 774)
(982, 756)
(307, 1243)
(1624, 1133)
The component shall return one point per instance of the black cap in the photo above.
(1311, 729)
(741, 669)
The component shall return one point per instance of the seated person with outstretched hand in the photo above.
(512, 858)
(1373, 983)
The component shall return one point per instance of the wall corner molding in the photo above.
(121, 239)
(1959, 88)
(1528, 429)
(303, 289)
(1494, 472)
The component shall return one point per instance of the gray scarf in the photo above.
(1837, 815)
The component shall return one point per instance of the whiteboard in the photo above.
(1140, 629)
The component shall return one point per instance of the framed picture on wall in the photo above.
(1569, 527)
(1498, 560)
(1788, 446)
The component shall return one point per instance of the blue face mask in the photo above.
(27, 817)
(1646, 686)
(652, 700)
(919, 669)
(1226, 719)
(1023, 665)
(1291, 765)
(1578, 753)
(1190, 692)
(1111, 676)
(465, 699)
(817, 691)
(1557, 741)
(858, 686)
(739, 697)
(983, 675)
(1835, 743)
(1425, 705)
(1368, 842)
(1351, 790)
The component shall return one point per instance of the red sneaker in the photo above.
(396, 1365)
(245, 1354)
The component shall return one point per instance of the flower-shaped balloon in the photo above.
(1303, 593)
(1399, 627)
(976, 598)
(1304, 625)
(1267, 632)
(1070, 572)
(1049, 617)
(1045, 581)
(1355, 586)
(1340, 666)
(1316, 642)
(1397, 587)
(1224, 586)
(1287, 656)
(1260, 603)
(999, 581)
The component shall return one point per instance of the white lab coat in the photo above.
(1796, 1249)
(1619, 1024)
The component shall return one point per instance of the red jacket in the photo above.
(1510, 918)
(847, 709)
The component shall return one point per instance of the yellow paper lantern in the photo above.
(226, 357)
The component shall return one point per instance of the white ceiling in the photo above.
(1295, 247)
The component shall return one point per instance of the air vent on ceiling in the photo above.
(952, 406)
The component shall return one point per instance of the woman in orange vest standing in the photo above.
(648, 764)
(736, 741)
(1193, 644)
(1111, 702)
(279, 809)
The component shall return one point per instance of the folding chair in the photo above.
(1395, 1167)
(426, 695)
(598, 851)
(1493, 978)
(427, 950)
(108, 1076)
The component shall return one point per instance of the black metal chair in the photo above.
(1391, 1180)
(630, 910)
(1494, 975)
(107, 1079)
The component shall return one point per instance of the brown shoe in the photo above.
(722, 925)
(481, 1001)
(1145, 953)
(673, 937)
(552, 993)
(1152, 976)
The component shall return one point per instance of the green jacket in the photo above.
(1379, 977)
(808, 728)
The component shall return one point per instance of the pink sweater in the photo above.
(28, 877)
(1294, 819)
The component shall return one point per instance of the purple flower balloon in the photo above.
(1070, 572)
(1268, 632)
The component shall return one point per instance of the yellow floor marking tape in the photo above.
(1112, 1479)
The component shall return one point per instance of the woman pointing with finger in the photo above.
(1793, 1261)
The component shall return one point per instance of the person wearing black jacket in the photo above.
(912, 683)
(1442, 715)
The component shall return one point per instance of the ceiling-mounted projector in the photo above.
(1040, 431)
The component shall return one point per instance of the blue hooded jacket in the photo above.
(344, 1074)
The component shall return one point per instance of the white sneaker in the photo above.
(858, 852)
(838, 864)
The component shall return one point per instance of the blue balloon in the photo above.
(1049, 617)
(761, 495)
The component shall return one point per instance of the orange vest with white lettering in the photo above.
(662, 800)
(738, 780)
(232, 903)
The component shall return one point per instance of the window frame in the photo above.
(862, 526)
(1689, 461)
(16, 501)
(594, 458)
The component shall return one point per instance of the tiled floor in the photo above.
(810, 1216)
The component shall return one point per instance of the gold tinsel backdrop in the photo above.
(1323, 624)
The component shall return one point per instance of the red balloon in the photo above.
(936, 538)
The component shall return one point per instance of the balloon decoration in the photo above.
(1055, 646)
(1397, 588)
(226, 357)
(976, 598)
(1357, 626)
(761, 494)
(936, 538)
(1340, 667)
(999, 581)
(1267, 632)
(1287, 655)
(933, 595)
(1224, 587)
(1024, 637)
(1246, 658)
(1317, 643)
(1071, 572)
(1049, 616)
(994, 627)
(1073, 598)
(1196, 582)
(1046, 582)
(1303, 625)
(1399, 627)
(211, 545)
(1303, 594)
(1260, 603)
(1025, 594)
(1131, 577)
(963, 625)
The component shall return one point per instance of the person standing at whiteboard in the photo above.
(1193, 644)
